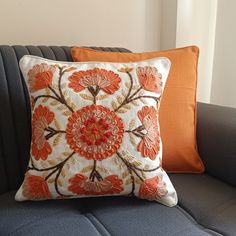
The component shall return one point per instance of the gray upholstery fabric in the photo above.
(15, 128)
(211, 202)
(119, 216)
(216, 133)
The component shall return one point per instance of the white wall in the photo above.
(224, 73)
(168, 24)
(196, 26)
(134, 24)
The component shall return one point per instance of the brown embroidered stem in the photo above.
(54, 92)
(133, 184)
(94, 173)
(131, 84)
(46, 96)
(61, 73)
(94, 100)
(94, 92)
(59, 168)
(144, 170)
(128, 94)
(61, 99)
(52, 167)
(138, 90)
(50, 174)
(131, 174)
(129, 166)
(52, 132)
(155, 98)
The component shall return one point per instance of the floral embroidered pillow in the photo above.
(95, 130)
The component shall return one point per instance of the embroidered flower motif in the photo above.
(82, 185)
(35, 188)
(42, 117)
(150, 79)
(95, 132)
(95, 79)
(149, 146)
(153, 189)
(40, 76)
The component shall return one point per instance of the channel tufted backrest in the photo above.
(15, 115)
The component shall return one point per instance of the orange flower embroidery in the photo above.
(150, 79)
(153, 189)
(106, 80)
(82, 185)
(40, 76)
(42, 117)
(94, 132)
(36, 188)
(149, 146)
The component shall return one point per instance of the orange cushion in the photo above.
(178, 107)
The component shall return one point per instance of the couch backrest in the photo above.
(15, 115)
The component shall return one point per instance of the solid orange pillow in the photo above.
(178, 107)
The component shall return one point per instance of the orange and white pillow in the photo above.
(95, 130)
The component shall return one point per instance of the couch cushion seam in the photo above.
(92, 218)
(193, 220)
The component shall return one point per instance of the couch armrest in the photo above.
(216, 136)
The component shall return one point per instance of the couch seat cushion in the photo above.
(96, 216)
(211, 202)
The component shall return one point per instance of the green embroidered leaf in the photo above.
(51, 180)
(103, 169)
(44, 164)
(70, 69)
(86, 97)
(61, 107)
(146, 167)
(114, 105)
(57, 125)
(137, 163)
(125, 174)
(72, 161)
(102, 97)
(67, 113)
(120, 99)
(54, 103)
(63, 173)
(71, 103)
(57, 139)
(52, 162)
(87, 169)
(127, 106)
(143, 175)
(138, 181)
(132, 140)
(66, 153)
(121, 110)
(128, 181)
(59, 182)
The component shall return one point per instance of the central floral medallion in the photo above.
(94, 132)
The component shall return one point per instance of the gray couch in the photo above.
(207, 202)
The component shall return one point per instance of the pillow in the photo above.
(178, 109)
(95, 130)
